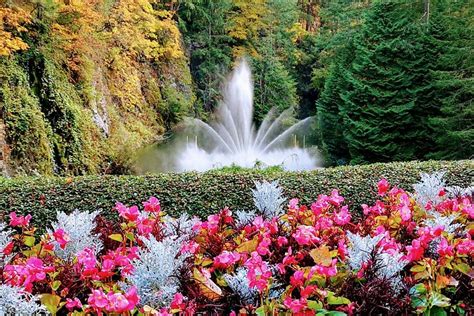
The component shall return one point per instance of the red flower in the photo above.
(383, 187)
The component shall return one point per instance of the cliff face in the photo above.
(85, 84)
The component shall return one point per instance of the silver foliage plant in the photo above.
(79, 227)
(156, 271)
(181, 226)
(16, 301)
(438, 219)
(239, 284)
(269, 201)
(427, 190)
(388, 265)
(456, 191)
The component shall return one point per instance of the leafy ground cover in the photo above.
(410, 253)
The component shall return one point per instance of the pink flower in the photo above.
(383, 187)
(323, 270)
(305, 235)
(145, 225)
(415, 251)
(466, 247)
(293, 205)
(20, 221)
(97, 299)
(343, 217)
(297, 279)
(61, 238)
(404, 206)
(190, 247)
(178, 303)
(152, 205)
(129, 213)
(295, 305)
(226, 259)
(342, 249)
(281, 241)
(71, 304)
(318, 207)
(262, 248)
(258, 272)
(444, 249)
(335, 199)
(258, 222)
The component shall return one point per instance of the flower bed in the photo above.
(409, 253)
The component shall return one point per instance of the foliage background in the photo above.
(203, 194)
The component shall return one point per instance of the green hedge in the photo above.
(205, 193)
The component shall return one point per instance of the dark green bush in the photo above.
(205, 193)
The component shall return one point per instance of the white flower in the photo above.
(427, 190)
(78, 226)
(156, 271)
(16, 301)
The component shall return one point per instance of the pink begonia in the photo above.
(305, 235)
(129, 213)
(24, 275)
(343, 217)
(113, 302)
(178, 303)
(295, 305)
(226, 259)
(404, 207)
(342, 249)
(383, 187)
(61, 237)
(323, 223)
(468, 208)
(71, 304)
(318, 207)
(287, 260)
(145, 225)
(335, 199)
(415, 251)
(282, 241)
(377, 209)
(444, 249)
(297, 279)
(262, 247)
(88, 262)
(20, 221)
(258, 272)
(212, 224)
(466, 247)
(324, 270)
(190, 247)
(293, 204)
(152, 205)
(258, 222)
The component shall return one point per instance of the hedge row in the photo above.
(204, 193)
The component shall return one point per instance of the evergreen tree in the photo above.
(389, 94)
(453, 32)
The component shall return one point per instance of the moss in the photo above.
(27, 133)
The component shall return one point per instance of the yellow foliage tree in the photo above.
(12, 22)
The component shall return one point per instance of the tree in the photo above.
(388, 100)
(12, 24)
(453, 31)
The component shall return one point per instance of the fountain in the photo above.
(232, 138)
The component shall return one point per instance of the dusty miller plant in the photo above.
(427, 190)
(156, 271)
(239, 284)
(181, 226)
(268, 199)
(79, 227)
(16, 301)
(387, 265)
(437, 219)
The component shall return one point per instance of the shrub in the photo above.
(203, 193)
(401, 257)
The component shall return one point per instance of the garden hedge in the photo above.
(204, 193)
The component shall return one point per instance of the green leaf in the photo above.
(437, 311)
(438, 299)
(337, 300)
(315, 305)
(116, 237)
(51, 302)
(418, 289)
(130, 236)
(29, 241)
(260, 311)
(56, 284)
(462, 267)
